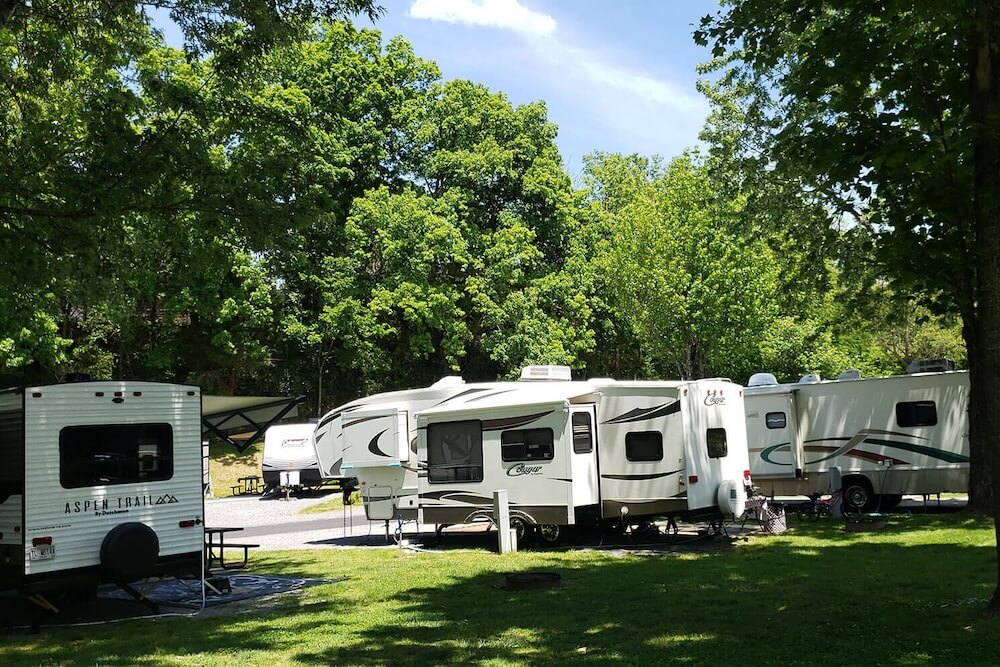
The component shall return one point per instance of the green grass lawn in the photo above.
(226, 465)
(912, 595)
(336, 502)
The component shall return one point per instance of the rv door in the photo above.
(583, 444)
(795, 433)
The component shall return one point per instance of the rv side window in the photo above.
(717, 447)
(916, 413)
(109, 454)
(583, 435)
(455, 452)
(644, 446)
(532, 444)
(775, 420)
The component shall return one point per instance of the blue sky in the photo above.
(615, 76)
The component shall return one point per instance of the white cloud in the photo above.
(507, 14)
(581, 63)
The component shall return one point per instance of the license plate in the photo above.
(41, 553)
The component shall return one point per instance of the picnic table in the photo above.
(247, 486)
(216, 546)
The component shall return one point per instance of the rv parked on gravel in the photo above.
(289, 457)
(888, 436)
(568, 452)
(99, 481)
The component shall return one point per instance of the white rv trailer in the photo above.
(289, 449)
(99, 481)
(584, 452)
(887, 436)
(374, 439)
(377, 439)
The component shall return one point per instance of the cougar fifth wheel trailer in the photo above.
(374, 439)
(889, 436)
(569, 453)
(99, 481)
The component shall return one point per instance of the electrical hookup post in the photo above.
(506, 535)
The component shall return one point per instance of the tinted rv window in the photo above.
(644, 446)
(455, 452)
(916, 413)
(583, 436)
(775, 420)
(532, 444)
(717, 447)
(111, 454)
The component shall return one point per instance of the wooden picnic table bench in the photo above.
(216, 546)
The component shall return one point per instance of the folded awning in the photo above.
(242, 420)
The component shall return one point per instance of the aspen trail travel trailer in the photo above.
(888, 436)
(374, 440)
(99, 481)
(584, 452)
(289, 449)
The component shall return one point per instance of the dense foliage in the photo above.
(309, 209)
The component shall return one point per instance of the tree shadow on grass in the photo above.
(864, 603)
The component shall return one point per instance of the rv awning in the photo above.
(242, 420)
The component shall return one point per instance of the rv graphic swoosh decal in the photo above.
(512, 422)
(642, 414)
(458, 497)
(467, 392)
(495, 393)
(949, 457)
(639, 478)
(362, 420)
(373, 446)
(329, 418)
(850, 448)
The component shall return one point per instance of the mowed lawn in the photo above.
(912, 595)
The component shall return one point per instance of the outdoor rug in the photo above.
(187, 593)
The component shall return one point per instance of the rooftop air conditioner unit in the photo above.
(762, 380)
(930, 366)
(546, 373)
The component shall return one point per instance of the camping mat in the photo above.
(187, 593)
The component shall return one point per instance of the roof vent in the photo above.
(930, 366)
(810, 378)
(535, 373)
(762, 380)
(850, 374)
(448, 381)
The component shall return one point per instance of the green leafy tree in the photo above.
(888, 112)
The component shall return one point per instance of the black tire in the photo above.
(549, 534)
(858, 495)
(129, 552)
(889, 501)
(522, 529)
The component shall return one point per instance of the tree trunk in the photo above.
(980, 485)
(985, 105)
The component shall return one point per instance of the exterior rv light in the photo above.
(98, 394)
(746, 474)
(693, 479)
(118, 399)
(190, 393)
(118, 394)
(41, 541)
(36, 394)
(137, 393)
(189, 523)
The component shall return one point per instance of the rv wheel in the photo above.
(550, 534)
(521, 529)
(858, 494)
(130, 551)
